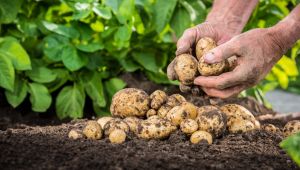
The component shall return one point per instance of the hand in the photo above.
(218, 31)
(257, 51)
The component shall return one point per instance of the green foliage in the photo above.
(77, 49)
(292, 146)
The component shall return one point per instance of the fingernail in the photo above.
(209, 57)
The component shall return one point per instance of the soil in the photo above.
(39, 141)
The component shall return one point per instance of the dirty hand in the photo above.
(256, 50)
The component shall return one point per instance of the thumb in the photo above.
(220, 53)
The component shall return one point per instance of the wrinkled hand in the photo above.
(217, 31)
(257, 51)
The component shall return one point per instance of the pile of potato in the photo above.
(188, 67)
(158, 115)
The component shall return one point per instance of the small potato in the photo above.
(190, 109)
(115, 124)
(163, 111)
(215, 69)
(150, 113)
(75, 134)
(117, 136)
(201, 137)
(205, 109)
(186, 68)
(103, 120)
(241, 126)
(204, 45)
(212, 121)
(292, 127)
(175, 100)
(256, 124)
(130, 102)
(158, 98)
(271, 128)
(132, 122)
(235, 112)
(93, 130)
(176, 115)
(188, 126)
(157, 129)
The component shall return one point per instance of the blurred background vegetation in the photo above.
(62, 52)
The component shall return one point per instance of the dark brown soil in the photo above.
(34, 141)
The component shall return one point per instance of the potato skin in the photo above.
(215, 69)
(75, 134)
(270, 128)
(186, 68)
(117, 136)
(212, 121)
(236, 112)
(103, 120)
(115, 124)
(188, 126)
(163, 111)
(190, 109)
(93, 130)
(157, 129)
(130, 102)
(132, 122)
(175, 100)
(158, 98)
(176, 115)
(292, 127)
(207, 108)
(241, 126)
(201, 137)
(151, 112)
(204, 45)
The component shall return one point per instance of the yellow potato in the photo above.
(190, 109)
(163, 111)
(176, 115)
(236, 112)
(241, 126)
(215, 69)
(256, 124)
(75, 134)
(117, 136)
(188, 126)
(201, 137)
(130, 102)
(203, 46)
(292, 127)
(271, 128)
(175, 100)
(115, 124)
(158, 98)
(150, 113)
(186, 68)
(132, 122)
(205, 109)
(93, 130)
(103, 120)
(157, 129)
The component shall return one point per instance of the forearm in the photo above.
(287, 31)
(233, 13)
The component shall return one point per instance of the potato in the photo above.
(115, 124)
(212, 121)
(175, 100)
(207, 108)
(163, 111)
(215, 69)
(204, 45)
(232, 63)
(130, 102)
(236, 112)
(270, 128)
(176, 115)
(103, 120)
(153, 118)
(190, 109)
(158, 98)
(150, 113)
(117, 136)
(186, 68)
(241, 126)
(157, 129)
(75, 134)
(188, 126)
(292, 127)
(132, 122)
(256, 124)
(93, 130)
(201, 137)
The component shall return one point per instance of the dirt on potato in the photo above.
(35, 141)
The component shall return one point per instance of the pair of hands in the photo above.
(256, 50)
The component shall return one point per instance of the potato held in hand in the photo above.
(130, 102)
(204, 45)
(186, 68)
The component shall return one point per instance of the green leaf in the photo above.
(281, 77)
(82, 10)
(69, 32)
(19, 93)
(163, 11)
(126, 11)
(10, 47)
(70, 102)
(9, 10)
(62, 76)
(41, 74)
(113, 85)
(54, 46)
(113, 4)
(7, 73)
(292, 146)
(129, 65)
(180, 21)
(160, 78)
(123, 33)
(90, 47)
(288, 65)
(147, 60)
(102, 11)
(71, 59)
(40, 97)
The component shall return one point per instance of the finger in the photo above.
(186, 41)
(221, 52)
(171, 72)
(225, 80)
(225, 93)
